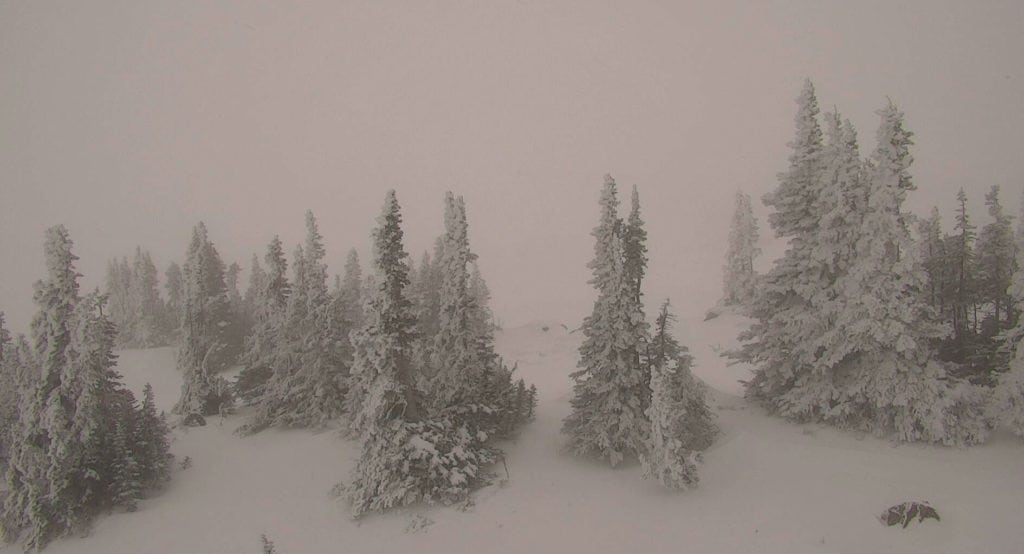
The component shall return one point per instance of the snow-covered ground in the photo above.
(766, 485)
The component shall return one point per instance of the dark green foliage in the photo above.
(152, 444)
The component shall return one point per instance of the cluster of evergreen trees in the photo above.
(739, 279)
(843, 328)
(75, 441)
(427, 397)
(298, 355)
(968, 278)
(634, 395)
(134, 304)
(209, 340)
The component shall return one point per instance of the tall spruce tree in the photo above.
(842, 201)
(384, 381)
(483, 319)
(9, 389)
(964, 259)
(1007, 403)
(175, 299)
(152, 444)
(738, 276)
(264, 346)
(469, 382)
(407, 455)
(787, 309)
(611, 393)
(134, 302)
(458, 371)
(682, 425)
(634, 246)
(933, 256)
(205, 348)
(149, 330)
(252, 289)
(997, 262)
(349, 294)
(120, 302)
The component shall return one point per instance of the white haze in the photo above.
(130, 121)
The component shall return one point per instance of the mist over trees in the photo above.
(738, 275)
(873, 319)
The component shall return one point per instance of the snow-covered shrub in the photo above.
(433, 461)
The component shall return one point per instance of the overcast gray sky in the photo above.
(130, 121)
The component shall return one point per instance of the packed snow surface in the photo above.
(766, 485)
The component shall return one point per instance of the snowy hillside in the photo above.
(766, 486)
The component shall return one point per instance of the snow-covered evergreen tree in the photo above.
(149, 329)
(933, 258)
(484, 320)
(384, 381)
(682, 425)
(173, 282)
(349, 293)
(997, 262)
(787, 308)
(204, 349)
(425, 293)
(309, 381)
(134, 302)
(611, 392)
(407, 455)
(738, 276)
(123, 311)
(152, 443)
(252, 290)
(69, 459)
(634, 247)
(1007, 402)
(884, 376)
(266, 342)
(964, 259)
(458, 371)
(231, 275)
(10, 367)
(127, 475)
(240, 320)
(468, 377)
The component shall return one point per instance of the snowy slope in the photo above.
(767, 486)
